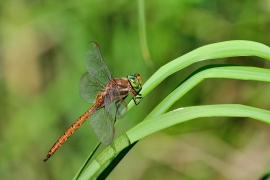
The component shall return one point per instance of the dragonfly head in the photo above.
(136, 81)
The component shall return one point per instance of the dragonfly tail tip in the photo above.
(47, 157)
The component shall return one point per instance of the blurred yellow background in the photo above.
(42, 48)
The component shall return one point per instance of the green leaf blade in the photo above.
(180, 115)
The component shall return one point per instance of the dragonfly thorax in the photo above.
(119, 88)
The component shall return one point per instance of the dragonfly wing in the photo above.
(115, 104)
(121, 109)
(89, 88)
(103, 125)
(96, 66)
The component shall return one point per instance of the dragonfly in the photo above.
(107, 95)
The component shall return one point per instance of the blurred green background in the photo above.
(42, 45)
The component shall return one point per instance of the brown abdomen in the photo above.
(70, 131)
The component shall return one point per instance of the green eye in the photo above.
(135, 81)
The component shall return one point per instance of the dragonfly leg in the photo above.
(118, 103)
(139, 96)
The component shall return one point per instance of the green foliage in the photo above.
(43, 44)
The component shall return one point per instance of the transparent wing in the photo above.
(115, 104)
(89, 88)
(121, 109)
(103, 125)
(96, 66)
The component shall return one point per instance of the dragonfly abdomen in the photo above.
(70, 131)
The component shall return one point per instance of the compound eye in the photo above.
(135, 82)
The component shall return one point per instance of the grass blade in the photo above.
(180, 115)
(166, 120)
(230, 72)
(86, 162)
(212, 51)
